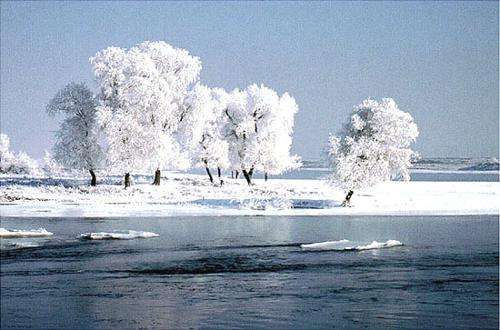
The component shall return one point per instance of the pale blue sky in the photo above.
(438, 60)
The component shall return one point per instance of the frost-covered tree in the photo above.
(233, 131)
(201, 129)
(5, 154)
(15, 164)
(50, 166)
(373, 146)
(259, 127)
(142, 92)
(274, 140)
(77, 140)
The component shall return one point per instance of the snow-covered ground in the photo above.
(191, 194)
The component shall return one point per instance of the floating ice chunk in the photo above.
(331, 245)
(381, 245)
(127, 234)
(345, 245)
(18, 245)
(41, 232)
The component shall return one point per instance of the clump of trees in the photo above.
(373, 146)
(19, 163)
(142, 90)
(151, 112)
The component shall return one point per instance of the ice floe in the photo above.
(18, 245)
(41, 232)
(127, 234)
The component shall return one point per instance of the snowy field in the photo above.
(193, 195)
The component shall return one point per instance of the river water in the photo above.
(250, 272)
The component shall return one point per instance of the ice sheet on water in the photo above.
(41, 232)
(127, 234)
(346, 245)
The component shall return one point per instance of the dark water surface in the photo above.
(249, 272)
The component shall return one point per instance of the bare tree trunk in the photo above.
(237, 174)
(347, 201)
(265, 176)
(218, 174)
(127, 180)
(250, 173)
(247, 177)
(156, 181)
(93, 182)
(209, 174)
(232, 174)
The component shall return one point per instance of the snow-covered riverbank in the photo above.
(189, 194)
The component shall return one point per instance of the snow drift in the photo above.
(346, 245)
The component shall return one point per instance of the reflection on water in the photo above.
(250, 272)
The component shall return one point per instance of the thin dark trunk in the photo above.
(209, 174)
(127, 180)
(250, 173)
(93, 182)
(265, 176)
(232, 174)
(156, 181)
(247, 177)
(347, 201)
(237, 174)
(219, 175)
